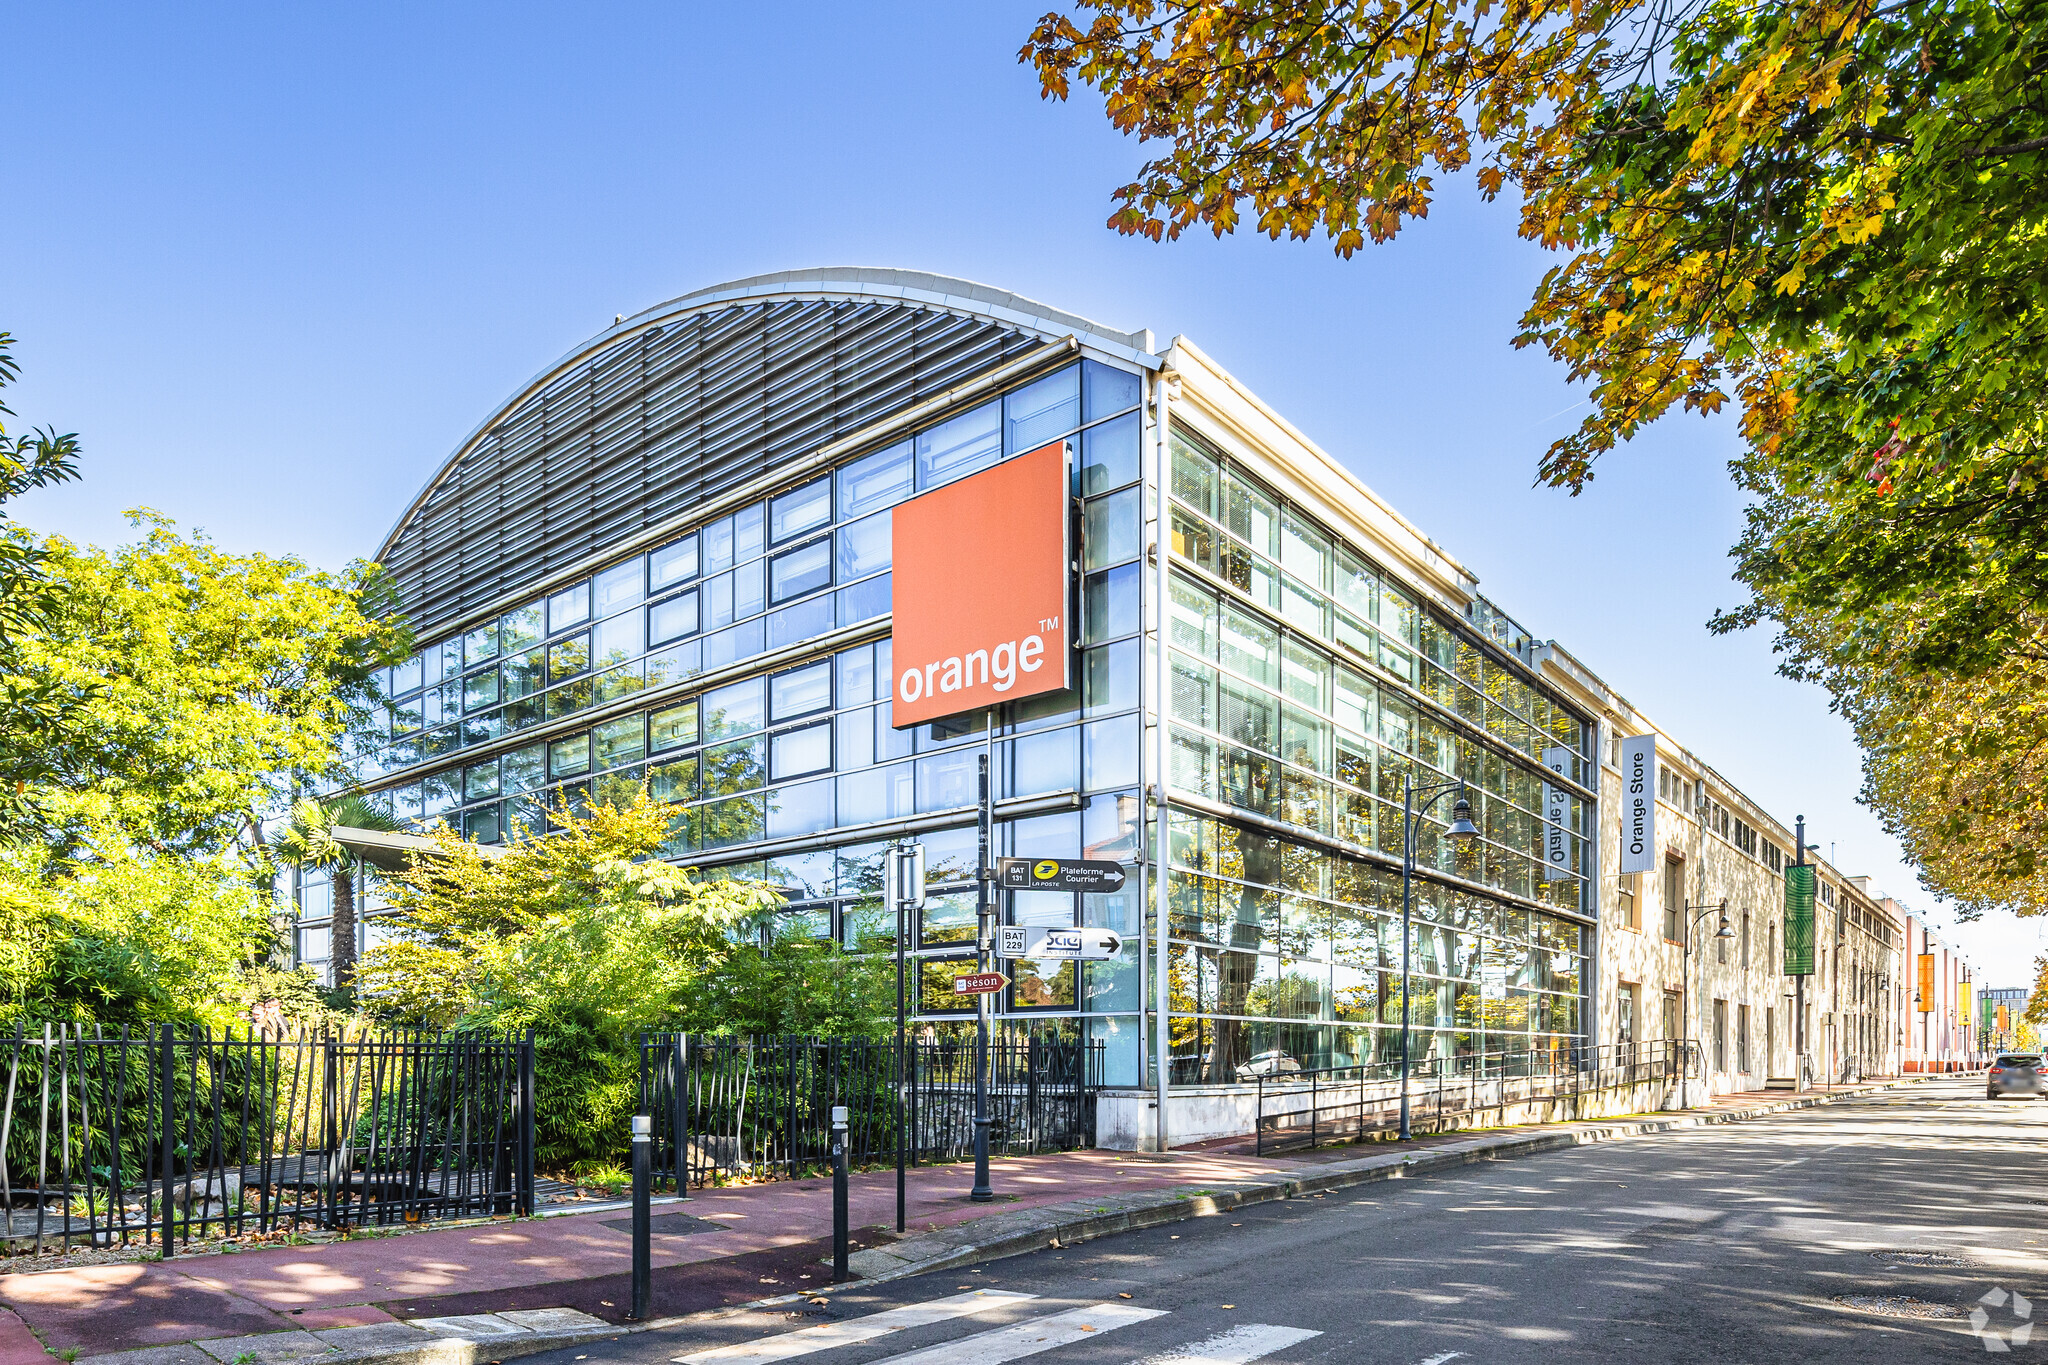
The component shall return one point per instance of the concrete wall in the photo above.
(1124, 1118)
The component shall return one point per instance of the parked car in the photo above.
(1274, 1063)
(2013, 1073)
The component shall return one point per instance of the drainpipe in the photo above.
(1162, 694)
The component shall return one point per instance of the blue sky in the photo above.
(273, 262)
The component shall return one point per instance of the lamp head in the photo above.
(1724, 931)
(1462, 829)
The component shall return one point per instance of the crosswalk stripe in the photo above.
(1238, 1346)
(1030, 1337)
(805, 1340)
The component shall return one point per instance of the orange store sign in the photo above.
(981, 589)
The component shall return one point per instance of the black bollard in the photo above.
(839, 1194)
(643, 1179)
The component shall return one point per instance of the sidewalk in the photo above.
(356, 1299)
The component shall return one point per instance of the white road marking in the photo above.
(805, 1340)
(1030, 1337)
(1439, 1360)
(1238, 1346)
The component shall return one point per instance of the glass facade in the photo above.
(742, 668)
(1308, 688)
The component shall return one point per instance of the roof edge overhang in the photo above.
(871, 284)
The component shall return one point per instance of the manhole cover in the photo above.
(1919, 1257)
(1898, 1306)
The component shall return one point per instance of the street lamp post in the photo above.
(1463, 831)
(1685, 975)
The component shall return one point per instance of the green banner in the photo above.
(1799, 885)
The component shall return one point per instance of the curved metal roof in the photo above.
(864, 283)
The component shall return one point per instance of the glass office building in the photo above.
(667, 559)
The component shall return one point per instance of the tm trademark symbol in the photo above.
(1049, 624)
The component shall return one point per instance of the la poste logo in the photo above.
(981, 589)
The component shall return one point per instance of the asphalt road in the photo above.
(1731, 1244)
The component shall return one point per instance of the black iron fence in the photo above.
(163, 1135)
(762, 1107)
(1299, 1109)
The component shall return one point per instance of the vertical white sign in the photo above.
(1639, 804)
(1557, 817)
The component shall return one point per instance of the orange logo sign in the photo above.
(981, 589)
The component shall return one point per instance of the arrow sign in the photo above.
(1059, 874)
(1091, 945)
(979, 983)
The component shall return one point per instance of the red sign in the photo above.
(981, 589)
(979, 983)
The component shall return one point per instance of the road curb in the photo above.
(1003, 1235)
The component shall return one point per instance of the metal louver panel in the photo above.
(661, 420)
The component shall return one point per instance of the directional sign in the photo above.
(979, 983)
(1059, 874)
(1093, 945)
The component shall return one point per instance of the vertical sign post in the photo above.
(903, 885)
(1800, 885)
(982, 1192)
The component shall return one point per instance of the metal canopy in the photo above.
(389, 852)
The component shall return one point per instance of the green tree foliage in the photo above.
(1834, 213)
(113, 936)
(196, 688)
(33, 712)
(215, 684)
(586, 937)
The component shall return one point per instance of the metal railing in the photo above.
(761, 1107)
(162, 1134)
(1299, 1109)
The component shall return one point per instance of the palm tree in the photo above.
(308, 842)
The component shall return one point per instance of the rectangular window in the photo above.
(971, 441)
(480, 690)
(1742, 1038)
(673, 619)
(1674, 899)
(569, 757)
(524, 674)
(672, 564)
(405, 677)
(622, 586)
(620, 742)
(620, 638)
(568, 658)
(800, 691)
(570, 607)
(481, 644)
(804, 569)
(735, 709)
(1110, 530)
(525, 769)
(875, 481)
(1109, 455)
(1720, 1035)
(1625, 1002)
(1625, 904)
(1109, 602)
(799, 510)
(795, 753)
(518, 629)
(674, 728)
(1040, 411)
(480, 781)
(1672, 1024)
(864, 547)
